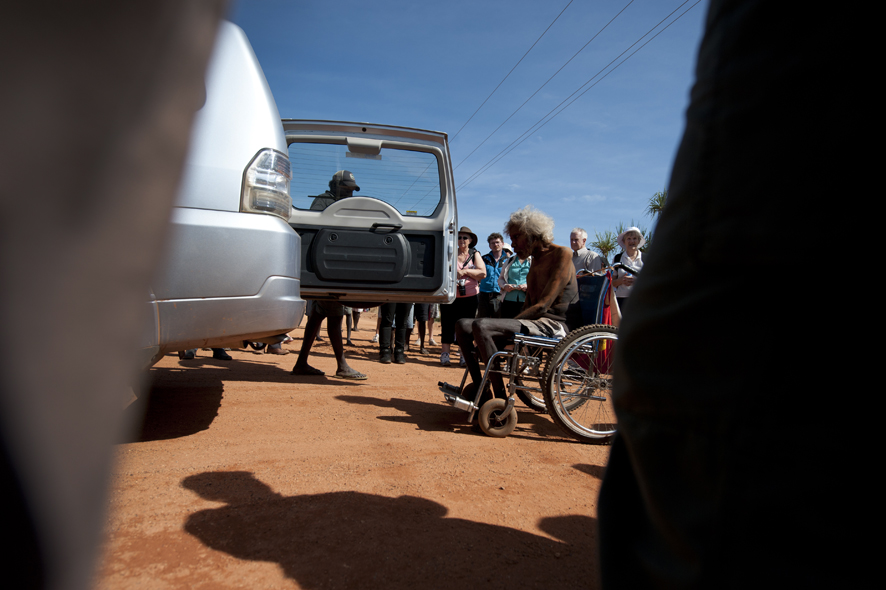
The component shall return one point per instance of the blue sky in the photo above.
(431, 64)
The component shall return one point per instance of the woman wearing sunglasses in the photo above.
(471, 270)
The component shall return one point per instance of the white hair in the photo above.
(533, 224)
(579, 232)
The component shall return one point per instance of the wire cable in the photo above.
(542, 122)
(512, 71)
(545, 84)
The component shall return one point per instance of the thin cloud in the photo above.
(585, 198)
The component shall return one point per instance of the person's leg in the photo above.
(221, 354)
(333, 330)
(483, 307)
(377, 326)
(464, 336)
(386, 318)
(355, 315)
(622, 302)
(491, 335)
(420, 316)
(403, 313)
(312, 328)
(462, 307)
(348, 324)
(433, 313)
(408, 323)
(447, 328)
(422, 330)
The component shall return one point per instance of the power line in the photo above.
(545, 84)
(512, 70)
(539, 124)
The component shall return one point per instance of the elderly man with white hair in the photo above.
(551, 295)
(582, 258)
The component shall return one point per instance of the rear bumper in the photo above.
(226, 321)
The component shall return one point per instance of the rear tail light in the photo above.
(266, 185)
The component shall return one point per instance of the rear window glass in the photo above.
(407, 180)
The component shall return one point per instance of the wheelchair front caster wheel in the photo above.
(491, 421)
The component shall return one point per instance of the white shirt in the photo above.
(636, 264)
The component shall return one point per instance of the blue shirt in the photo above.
(493, 270)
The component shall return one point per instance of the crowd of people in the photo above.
(530, 288)
(494, 286)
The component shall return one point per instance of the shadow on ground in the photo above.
(358, 540)
(174, 408)
(443, 417)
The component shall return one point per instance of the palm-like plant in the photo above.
(605, 244)
(657, 203)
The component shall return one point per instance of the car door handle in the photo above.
(393, 226)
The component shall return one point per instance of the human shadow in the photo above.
(443, 417)
(424, 415)
(358, 540)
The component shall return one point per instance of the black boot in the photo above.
(400, 346)
(384, 355)
(399, 356)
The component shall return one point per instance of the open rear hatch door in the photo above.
(394, 238)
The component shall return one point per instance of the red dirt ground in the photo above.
(244, 476)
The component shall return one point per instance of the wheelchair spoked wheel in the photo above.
(526, 373)
(577, 383)
(533, 399)
(491, 421)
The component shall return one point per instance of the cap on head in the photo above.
(343, 178)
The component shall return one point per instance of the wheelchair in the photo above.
(569, 378)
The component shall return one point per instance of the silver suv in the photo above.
(229, 274)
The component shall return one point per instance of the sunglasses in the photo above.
(464, 238)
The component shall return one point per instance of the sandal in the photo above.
(353, 375)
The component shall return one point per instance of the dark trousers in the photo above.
(489, 335)
(389, 313)
(489, 305)
(711, 482)
(462, 307)
(510, 309)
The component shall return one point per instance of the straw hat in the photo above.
(466, 230)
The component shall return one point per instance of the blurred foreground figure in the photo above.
(96, 109)
(720, 476)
